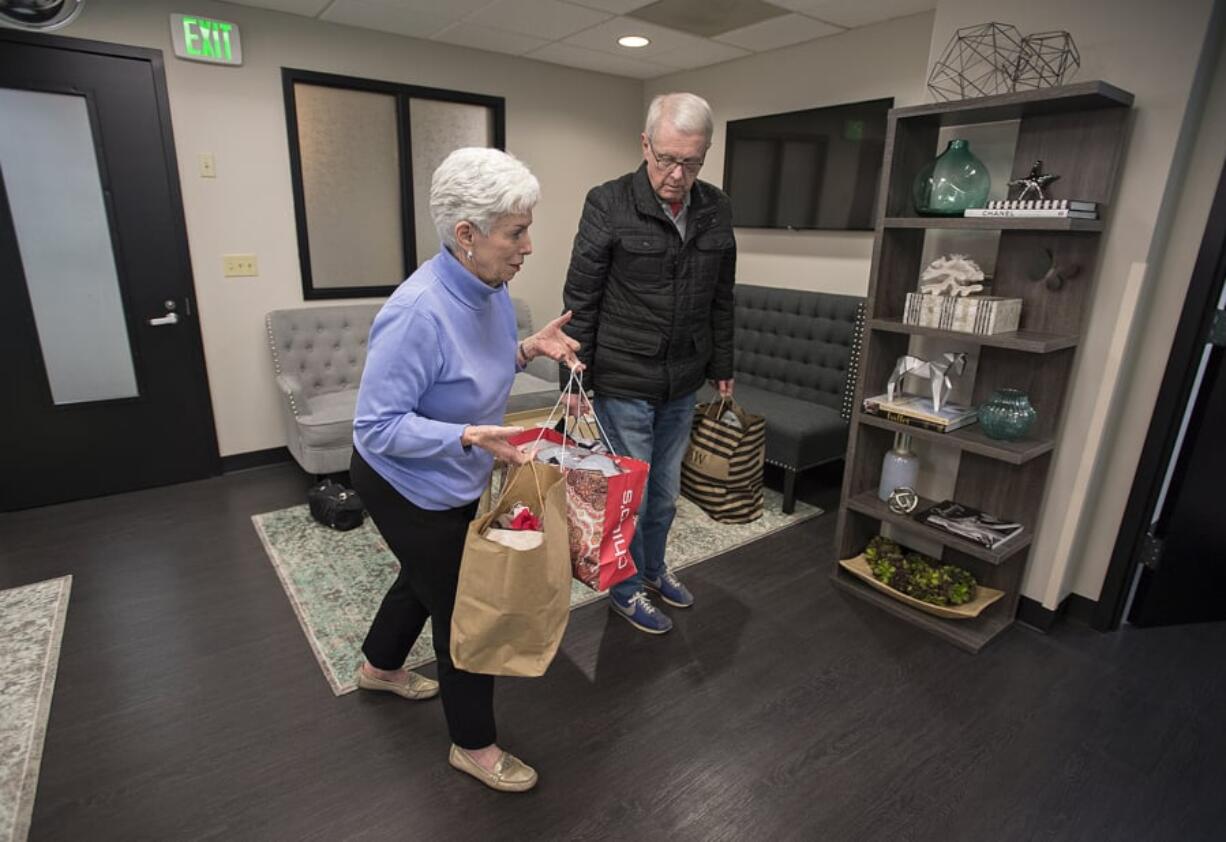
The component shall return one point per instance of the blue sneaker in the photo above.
(670, 590)
(641, 613)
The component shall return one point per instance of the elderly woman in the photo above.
(439, 367)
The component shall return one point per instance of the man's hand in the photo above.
(494, 440)
(724, 387)
(551, 342)
(576, 404)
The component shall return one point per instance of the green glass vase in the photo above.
(955, 181)
(1007, 415)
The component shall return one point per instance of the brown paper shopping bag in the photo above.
(511, 605)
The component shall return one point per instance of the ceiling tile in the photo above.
(390, 16)
(778, 32)
(852, 13)
(617, 7)
(704, 52)
(559, 53)
(668, 47)
(547, 19)
(310, 8)
(465, 34)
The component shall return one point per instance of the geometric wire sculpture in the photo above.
(978, 61)
(1046, 60)
(994, 58)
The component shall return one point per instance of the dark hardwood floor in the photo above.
(189, 706)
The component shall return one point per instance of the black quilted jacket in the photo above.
(653, 314)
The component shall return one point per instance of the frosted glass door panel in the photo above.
(438, 129)
(350, 152)
(55, 195)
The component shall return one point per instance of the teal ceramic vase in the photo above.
(1007, 415)
(955, 181)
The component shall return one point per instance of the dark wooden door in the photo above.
(106, 388)
(1187, 584)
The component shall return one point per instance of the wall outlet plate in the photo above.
(240, 265)
(208, 167)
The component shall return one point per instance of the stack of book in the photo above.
(1037, 209)
(917, 411)
(971, 524)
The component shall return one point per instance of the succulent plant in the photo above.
(917, 575)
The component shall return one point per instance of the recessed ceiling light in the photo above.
(633, 41)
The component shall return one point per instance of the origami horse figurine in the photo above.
(936, 372)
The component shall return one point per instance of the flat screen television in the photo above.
(812, 169)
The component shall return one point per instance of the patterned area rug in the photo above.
(31, 627)
(335, 580)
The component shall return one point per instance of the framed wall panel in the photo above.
(362, 153)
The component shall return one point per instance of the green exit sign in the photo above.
(199, 38)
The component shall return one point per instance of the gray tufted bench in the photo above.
(796, 358)
(318, 354)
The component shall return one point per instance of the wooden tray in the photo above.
(984, 596)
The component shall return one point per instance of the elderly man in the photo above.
(650, 286)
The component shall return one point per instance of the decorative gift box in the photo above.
(981, 314)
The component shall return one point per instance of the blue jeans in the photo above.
(657, 433)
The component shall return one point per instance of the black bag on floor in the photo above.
(335, 506)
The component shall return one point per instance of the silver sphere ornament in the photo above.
(903, 500)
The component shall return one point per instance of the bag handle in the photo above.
(719, 409)
(532, 463)
(502, 493)
(574, 382)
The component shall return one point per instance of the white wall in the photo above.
(884, 60)
(1159, 308)
(574, 129)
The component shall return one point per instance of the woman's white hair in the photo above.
(479, 185)
(687, 113)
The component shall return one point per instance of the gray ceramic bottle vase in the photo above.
(900, 468)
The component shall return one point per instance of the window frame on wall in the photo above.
(403, 94)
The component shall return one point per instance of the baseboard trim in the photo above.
(255, 459)
(1074, 607)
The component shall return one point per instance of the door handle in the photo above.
(168, 319)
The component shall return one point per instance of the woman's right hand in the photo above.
(494, 439)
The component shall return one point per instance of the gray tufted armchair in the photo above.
(318, 354)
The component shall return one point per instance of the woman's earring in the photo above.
(470, 255)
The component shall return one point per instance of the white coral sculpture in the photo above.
(954, 275)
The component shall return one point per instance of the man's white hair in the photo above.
(687, 113)
(479, 185)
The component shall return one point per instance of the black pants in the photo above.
(428, 545)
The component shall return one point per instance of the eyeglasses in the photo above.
(667, 163)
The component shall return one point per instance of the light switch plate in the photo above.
(240, 265)
(208, 167)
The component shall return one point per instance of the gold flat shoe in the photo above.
(510, 773)
(415, 687)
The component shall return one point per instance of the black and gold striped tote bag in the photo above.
(722, 470)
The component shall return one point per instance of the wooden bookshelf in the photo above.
(870, 504)
(1031, 341)
(971, 439)
(995, 223)
(1078, 131)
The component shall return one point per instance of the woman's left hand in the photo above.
(550, 341)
